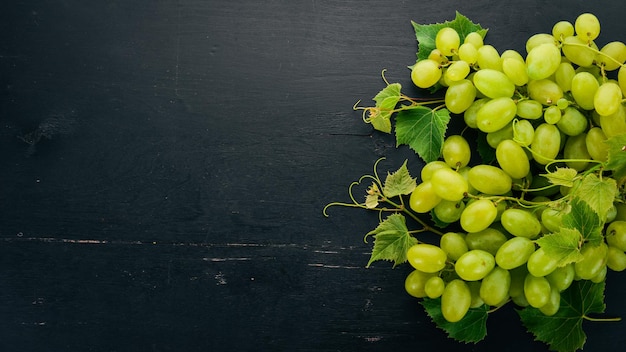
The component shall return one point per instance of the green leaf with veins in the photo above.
(585, 220)
(386, 101)
(423, 130)
(598, 193)
(426, 33)
(399, 182)
(391, 240)
(563, 331)
(617, 156)
(564, 246)
(472, 328)
(562, 176)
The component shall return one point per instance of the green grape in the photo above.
(518, 275)
(449, 211)
(541, 264)
(564, 75)
(597, 148)
(592, 262)
(512, 159)
(616, 259)
(490, 179)
(562, 103)
(426, 73)
(542, 61)
(512, 54)
(488, 58)
(545, 91)
(612, 56)
(529, 109)
(434, 287)
(455, 300)
(415, 283)
(587, 26)
(616, 234)
(431, 167)
(474, 265)
(601, 275)
(515, 252)
(584, 87)
(458, 70)
(621, 212)
(537, 290)
(538, 39)
(546, 144)
(572, 122)
(621, 79)
(551, 219)
(475, 39)
(607, 99)
(468, 53)
(494, 288)
(576, 51)
(576, 149)
(426, 257)
(456, 151)
(460, 96)
(611, 214)
(515, 70)
(423, 198)
(453, 244)
(494, 138)
(495, 114)
(478, 215)
(562, 30)
(488, 240)
(521, 223)
(554, 303)
(464, 171)
(447, 41)
(615, 124)
(469, 116)
(523, 132)
(449, 184)
(474, 287)
(562, 277)
(438, 56)
(552, 114)
(493, 83)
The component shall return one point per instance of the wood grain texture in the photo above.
(183, 209)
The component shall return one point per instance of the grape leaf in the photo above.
(563, 331)
(426, 33)
(582, 218)
(617, 156)
(423, 130)
(398, 183)
(371, 201)
(472, 328)
(598, 193)
(391, 240)
(564, 246)
(562, 176)
(386, 101)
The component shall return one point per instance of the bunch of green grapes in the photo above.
(555, 107)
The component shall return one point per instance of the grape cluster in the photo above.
(555, 107)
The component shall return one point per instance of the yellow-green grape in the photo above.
(552, 114)
(456, 151)
(512, 54)
(596, 146)
(496, 114)
(562, 103)
(611, 214)
(587, 26)
(449, 184)
(546, 144)
(494, 138)
(523, 132)
(541, 264)
(449, 211)
(576, 51)
(538, 39)
(423, 198)
(478, 215)
(493, 83)
(572, 122)
(453, 243)
(458, 70)
(468, 53)
(490, 179)
(616, 234)
(474, 287)
(469, 116)
(621, 79)
(464, 171)
(431, 167)
(615, 124)
(434, 287)
(607, 99)
(460, 96)
(592, 262)
(612, 56)
(545, 91)
(562, 277)
(564, 75)
(438, 56)
(529, 109)
(426, 257)
(426, 73)
(475, 39)
(512, 159)
(542, 61)
(537, 290)
(616, 259)
(455, 300)
(562, 30)
(515, 70)
(514, 252)
(551, 219)
(415, 283)
(489, 240)
(601, 275)
(521, 223)
(553, 305)
(576, 149)
(488, 58)
(447, 41)
(474, 265)
(494, 288)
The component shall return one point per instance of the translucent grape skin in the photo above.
(478, 215)
(592, 262)
(546, 143)
(449, 211)
(460, 96)
(474, 265)
(490, 179)
(489, 240)
(542, 61)
(447, 41)
(494, 288)
(456, 151)
(426, 73)
(587, 26)
(607, 99)
(423, 198)
(514, 252)
(434, 287)
(455, 300)
(415, 283)
(512, 159)
(493, 83)
(496, 114)
(537, 290)
(449, 184)
(426, 258)
(521, 223)
(453, 244)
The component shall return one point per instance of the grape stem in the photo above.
(596, 51)
(602, 319)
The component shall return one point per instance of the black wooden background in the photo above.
(164, 165)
